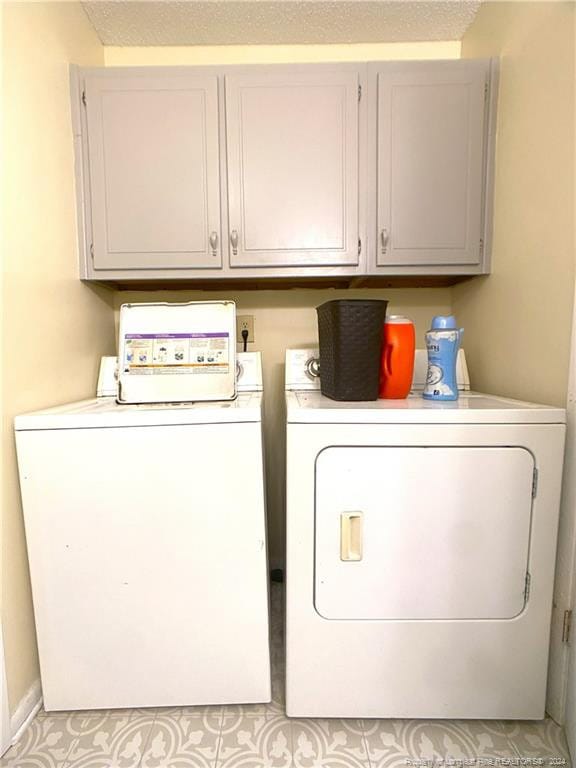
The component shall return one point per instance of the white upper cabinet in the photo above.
(293, 176)
(317, 170)
(153, 152)
(431, 163)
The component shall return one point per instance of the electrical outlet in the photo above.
(245, 323)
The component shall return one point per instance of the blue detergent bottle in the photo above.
(442, 342)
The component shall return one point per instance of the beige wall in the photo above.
(54, 327)
(288, 318)
(518, 319)
(277, 54)
(284, 319)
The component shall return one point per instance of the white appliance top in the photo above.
(305, 404)
(311, 407)
(105, 412)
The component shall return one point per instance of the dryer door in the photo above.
(422, 533)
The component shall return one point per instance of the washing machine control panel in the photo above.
(249, 372)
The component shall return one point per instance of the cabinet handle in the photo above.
(384, 240)
(214, 242)
(234, 242)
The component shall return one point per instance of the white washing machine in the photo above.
(421, 540)
(146, 537)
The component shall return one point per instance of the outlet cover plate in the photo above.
(244, 322)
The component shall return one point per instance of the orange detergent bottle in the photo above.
(397, 363)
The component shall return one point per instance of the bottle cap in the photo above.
(444, 323)
(397, 320)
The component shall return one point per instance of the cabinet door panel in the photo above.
(154, 168)
(293, 168)
(430, 165)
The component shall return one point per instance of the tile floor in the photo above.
(260, 736)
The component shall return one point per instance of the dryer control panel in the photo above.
(302, 369)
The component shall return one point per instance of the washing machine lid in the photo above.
(311, 407)
(105, 412)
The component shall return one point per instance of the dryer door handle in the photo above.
(351, 536)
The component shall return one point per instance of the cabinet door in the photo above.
(293, 168)
(430, 163)
(154, 171)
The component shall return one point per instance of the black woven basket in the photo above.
(350, 333)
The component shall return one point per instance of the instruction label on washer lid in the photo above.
(168, 353)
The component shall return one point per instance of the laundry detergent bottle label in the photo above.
(442, 343)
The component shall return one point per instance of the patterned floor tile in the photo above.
(393, 742)
(88, 713)
(246, 710)
(183, 741)
(200, 710)
(38, 761)
(42, 713)
(111, 742)
(130, 713)
(153, 711)
(254, 742)
(46, 742)
(328, 744)
(540, 739)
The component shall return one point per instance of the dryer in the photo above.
(421, 541)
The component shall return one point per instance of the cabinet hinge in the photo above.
(486, 90)
(92, 250)
(359, 246)
(566, 626)
(84, 98)
(527, 587)
(359, 92)
(534, 482)
(481, 247)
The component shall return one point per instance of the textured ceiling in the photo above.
(258, 22)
